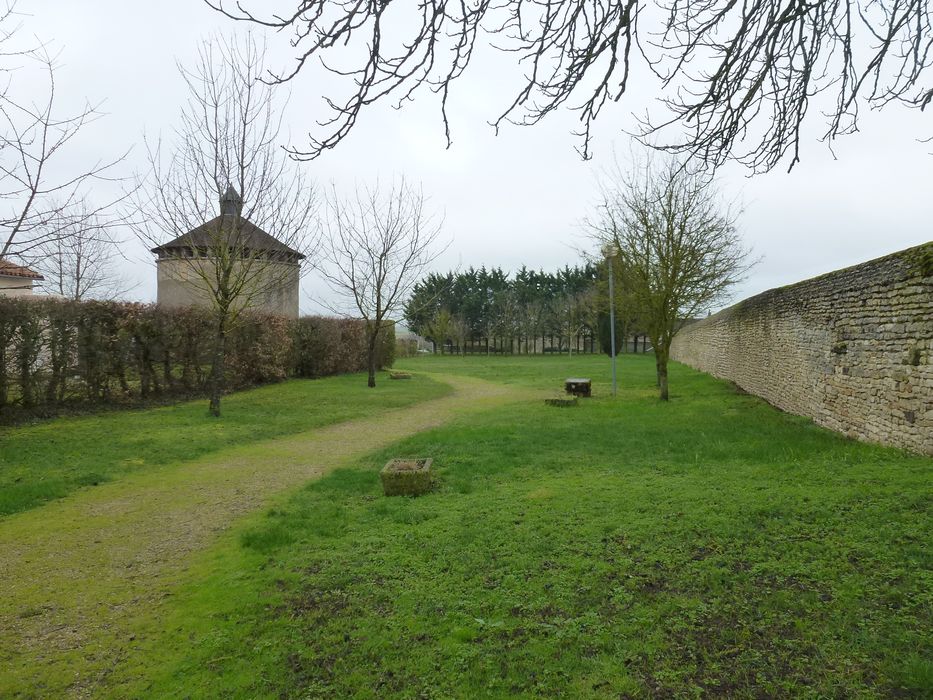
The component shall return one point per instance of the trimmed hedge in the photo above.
(56, 354)
(324, 346)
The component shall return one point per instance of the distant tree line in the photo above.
(491, 311)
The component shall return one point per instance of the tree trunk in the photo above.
(57, 347)
(217, 367)
(186, 370)
(150, 370)
(3, 379)
(371, 357)
(661, 355)
(662, 379)
(166, 368)
(120, 370)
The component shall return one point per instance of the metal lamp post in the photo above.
(612, 319)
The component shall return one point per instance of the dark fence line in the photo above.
(540, 345)
(58, 354)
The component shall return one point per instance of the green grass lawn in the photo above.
(50, 459)
(623, 548)
(539, 371)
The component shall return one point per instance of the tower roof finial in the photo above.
(231, 203)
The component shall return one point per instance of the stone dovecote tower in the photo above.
(181, 262)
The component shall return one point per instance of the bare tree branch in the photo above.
(736, 79)
(39, 208)
(675, 244)
(81, 262)
(378, 244)
(226, 148)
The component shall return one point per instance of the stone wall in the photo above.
(852, 349)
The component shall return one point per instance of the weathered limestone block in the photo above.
(406, 477)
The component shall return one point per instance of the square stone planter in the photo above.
(406, 477)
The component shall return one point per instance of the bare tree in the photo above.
(576, 313)
(675, 246)
(459, 331)
(379, 242)
(82, 263)
(533, 313)
(738, 77)
(507, 317)
(250, 253)
(38, 190)
(438, 328)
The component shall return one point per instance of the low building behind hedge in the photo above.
(56, 354)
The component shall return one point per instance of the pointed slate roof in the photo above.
(249, 235)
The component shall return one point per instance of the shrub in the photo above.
(57, 353)
(259, 351)
(605, 334)
(385, 355)
(322, 346)
(406, 347)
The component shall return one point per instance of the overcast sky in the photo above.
(512, 199)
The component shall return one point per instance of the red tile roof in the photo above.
(8, 269)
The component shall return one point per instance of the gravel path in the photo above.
(77, 575)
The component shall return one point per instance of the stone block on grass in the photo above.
(578, 386)
(406, 477)
(399, 375)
